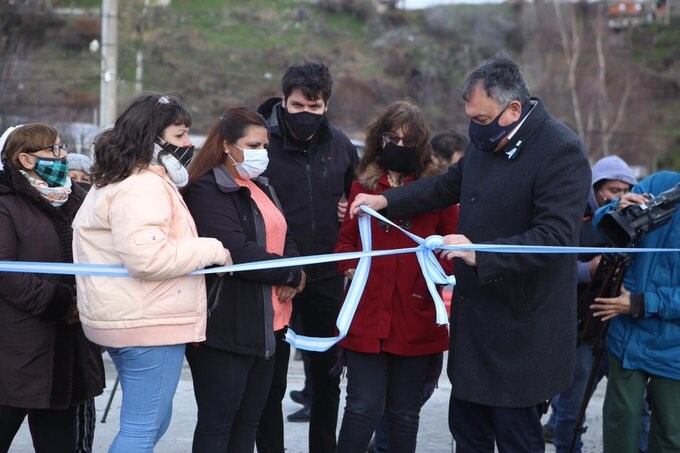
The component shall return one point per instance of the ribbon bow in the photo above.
(432, 271)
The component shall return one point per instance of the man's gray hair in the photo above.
(502, 80)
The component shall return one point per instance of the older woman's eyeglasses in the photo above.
(58, 150)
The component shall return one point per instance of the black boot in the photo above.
(301, 396)
(301, 416)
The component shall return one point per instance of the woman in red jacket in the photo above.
(393, 344)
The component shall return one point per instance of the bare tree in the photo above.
(571, 48)
(605, 106)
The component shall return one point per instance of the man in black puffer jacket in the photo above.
(311, 164)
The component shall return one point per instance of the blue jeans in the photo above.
(383, 383)
(568, 403)
(148, 379)
(380, 441)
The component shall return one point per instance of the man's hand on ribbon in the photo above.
(349, 273)
(469, 256)
(375, 202)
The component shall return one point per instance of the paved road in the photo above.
(433, 436)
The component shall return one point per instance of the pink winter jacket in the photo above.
(143, 224)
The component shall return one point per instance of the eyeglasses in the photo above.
(391, 137)
(57, 149)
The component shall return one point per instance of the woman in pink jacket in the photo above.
(135, 216)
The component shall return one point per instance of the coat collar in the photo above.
(536, 117)
(227, 184)
(375, 177)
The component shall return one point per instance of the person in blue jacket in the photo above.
(644, 334)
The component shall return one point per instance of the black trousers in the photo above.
(388, 383)
(318, 307)
(476, 427)
(231, 391)
(270, 430)
(52, 431)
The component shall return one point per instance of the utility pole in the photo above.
(109, 63)
(139, 70)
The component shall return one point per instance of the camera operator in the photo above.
(644, 333)
(611, 178)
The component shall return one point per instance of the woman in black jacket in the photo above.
(49, 370)
(232, 370)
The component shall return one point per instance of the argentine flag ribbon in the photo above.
(432, 271)
(424, 250)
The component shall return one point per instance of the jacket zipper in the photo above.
(267, 351)
(311, 198)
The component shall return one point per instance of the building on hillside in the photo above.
(633, 13)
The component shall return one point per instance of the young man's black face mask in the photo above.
(303, 125)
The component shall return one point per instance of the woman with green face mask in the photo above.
(44, 164)
(50, 372)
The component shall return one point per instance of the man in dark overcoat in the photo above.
(524, 181)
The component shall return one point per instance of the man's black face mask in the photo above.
(486, 137)
(303, 125)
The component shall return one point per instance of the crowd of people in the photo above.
(282, 181)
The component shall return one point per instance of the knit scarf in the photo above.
(56, 196)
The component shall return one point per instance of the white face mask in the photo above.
(176, 171)
(254, 163)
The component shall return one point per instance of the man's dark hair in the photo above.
(446, 143)
(501, 79)
(311, 77)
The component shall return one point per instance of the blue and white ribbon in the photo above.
(432, 271)
(349, 307)
(431, 268)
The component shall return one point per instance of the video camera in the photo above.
(624, 228)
